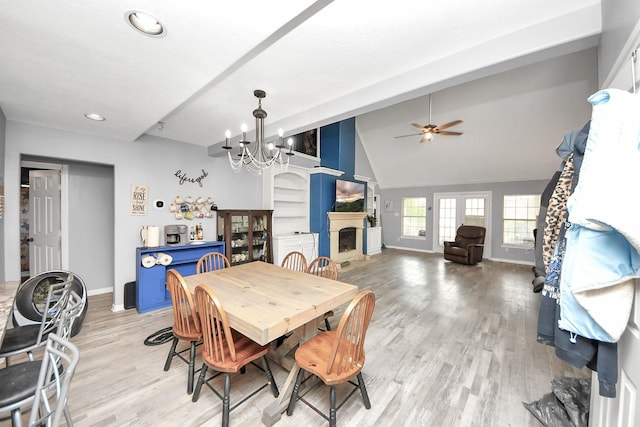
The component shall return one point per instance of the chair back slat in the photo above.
(211, 262)
(217, 341)
(186, 321)
(348, 349)
(56, 371)
(54, 305)
(324, 267)
(69, 315)
(295, 261)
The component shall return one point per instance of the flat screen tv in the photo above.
(349, 196)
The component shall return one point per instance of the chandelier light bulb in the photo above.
(270, 146)
(243, 127)
(280, 132)
(290, 142)
(227, 134)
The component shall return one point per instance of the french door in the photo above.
(454, 209)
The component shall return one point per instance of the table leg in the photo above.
(272, 413)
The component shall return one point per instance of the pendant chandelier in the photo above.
(261, 155)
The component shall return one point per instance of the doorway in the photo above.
(40, 217)
(454, 209)
(87, 225)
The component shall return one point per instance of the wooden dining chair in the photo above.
(211, 262)
(25, 339)
(324, 267)
(337, 356)
(295, 261)
(226, 351)
(186, 324)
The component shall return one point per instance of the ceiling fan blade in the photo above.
(417, 126)
(448, 125)
(411, 134)
(447, 132)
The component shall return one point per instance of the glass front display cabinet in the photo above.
(247, 235)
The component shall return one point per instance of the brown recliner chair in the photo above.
(468, 246)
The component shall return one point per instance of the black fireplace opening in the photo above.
(347, 239)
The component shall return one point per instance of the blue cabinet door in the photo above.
(151, 289)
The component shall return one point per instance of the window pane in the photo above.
(519, 218)
(414, 216)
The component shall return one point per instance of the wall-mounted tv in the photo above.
(349, 196)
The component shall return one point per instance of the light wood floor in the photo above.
(448, 345)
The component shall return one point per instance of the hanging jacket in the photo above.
(601, 200)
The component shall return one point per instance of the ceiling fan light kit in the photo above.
(429, 130)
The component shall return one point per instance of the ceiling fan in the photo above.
(429, 130)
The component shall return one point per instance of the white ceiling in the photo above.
(319, 62)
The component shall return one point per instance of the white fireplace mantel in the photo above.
(338, 221)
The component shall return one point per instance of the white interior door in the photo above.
(454, 209)
(44, 221)
(624, 410)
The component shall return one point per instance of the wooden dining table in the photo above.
(265, 302)
(7, 296)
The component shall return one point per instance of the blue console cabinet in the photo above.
(151, 289)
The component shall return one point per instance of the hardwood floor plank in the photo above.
(448, 345)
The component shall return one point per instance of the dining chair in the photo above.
(295, 261)
(25, 339)
(44, 384)
(336, 357)
(186, 324)
(226, 351)
(212, 261)
(324, 267)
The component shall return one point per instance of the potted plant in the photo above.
(372, 220)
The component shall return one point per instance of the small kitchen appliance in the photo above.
(175, 235)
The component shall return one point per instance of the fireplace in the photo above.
(347, 239)
(345, 235)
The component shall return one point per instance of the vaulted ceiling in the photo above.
(319, 62)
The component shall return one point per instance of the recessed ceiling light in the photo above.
(95, 117)
(145, 23)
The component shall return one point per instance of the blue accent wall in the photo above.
(338, 152)
(323, 194)
(338, 147)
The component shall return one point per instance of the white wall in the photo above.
(3, 122)
(149, 161)
(619, 18)
(91, 220)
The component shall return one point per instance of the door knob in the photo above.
(30, 239)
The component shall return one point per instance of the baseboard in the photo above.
(411, 249)
(509, 261)
(99, 291)
(117, 307)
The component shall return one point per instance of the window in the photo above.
(414, 216)
(519, 219)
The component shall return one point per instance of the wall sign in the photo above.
(139, 196)
(182, 177)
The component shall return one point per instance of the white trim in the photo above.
(100, 291)
(327, 171)
(487, 195)
(64, 217)
(117, 307)
(618, 77)
(426, 251)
